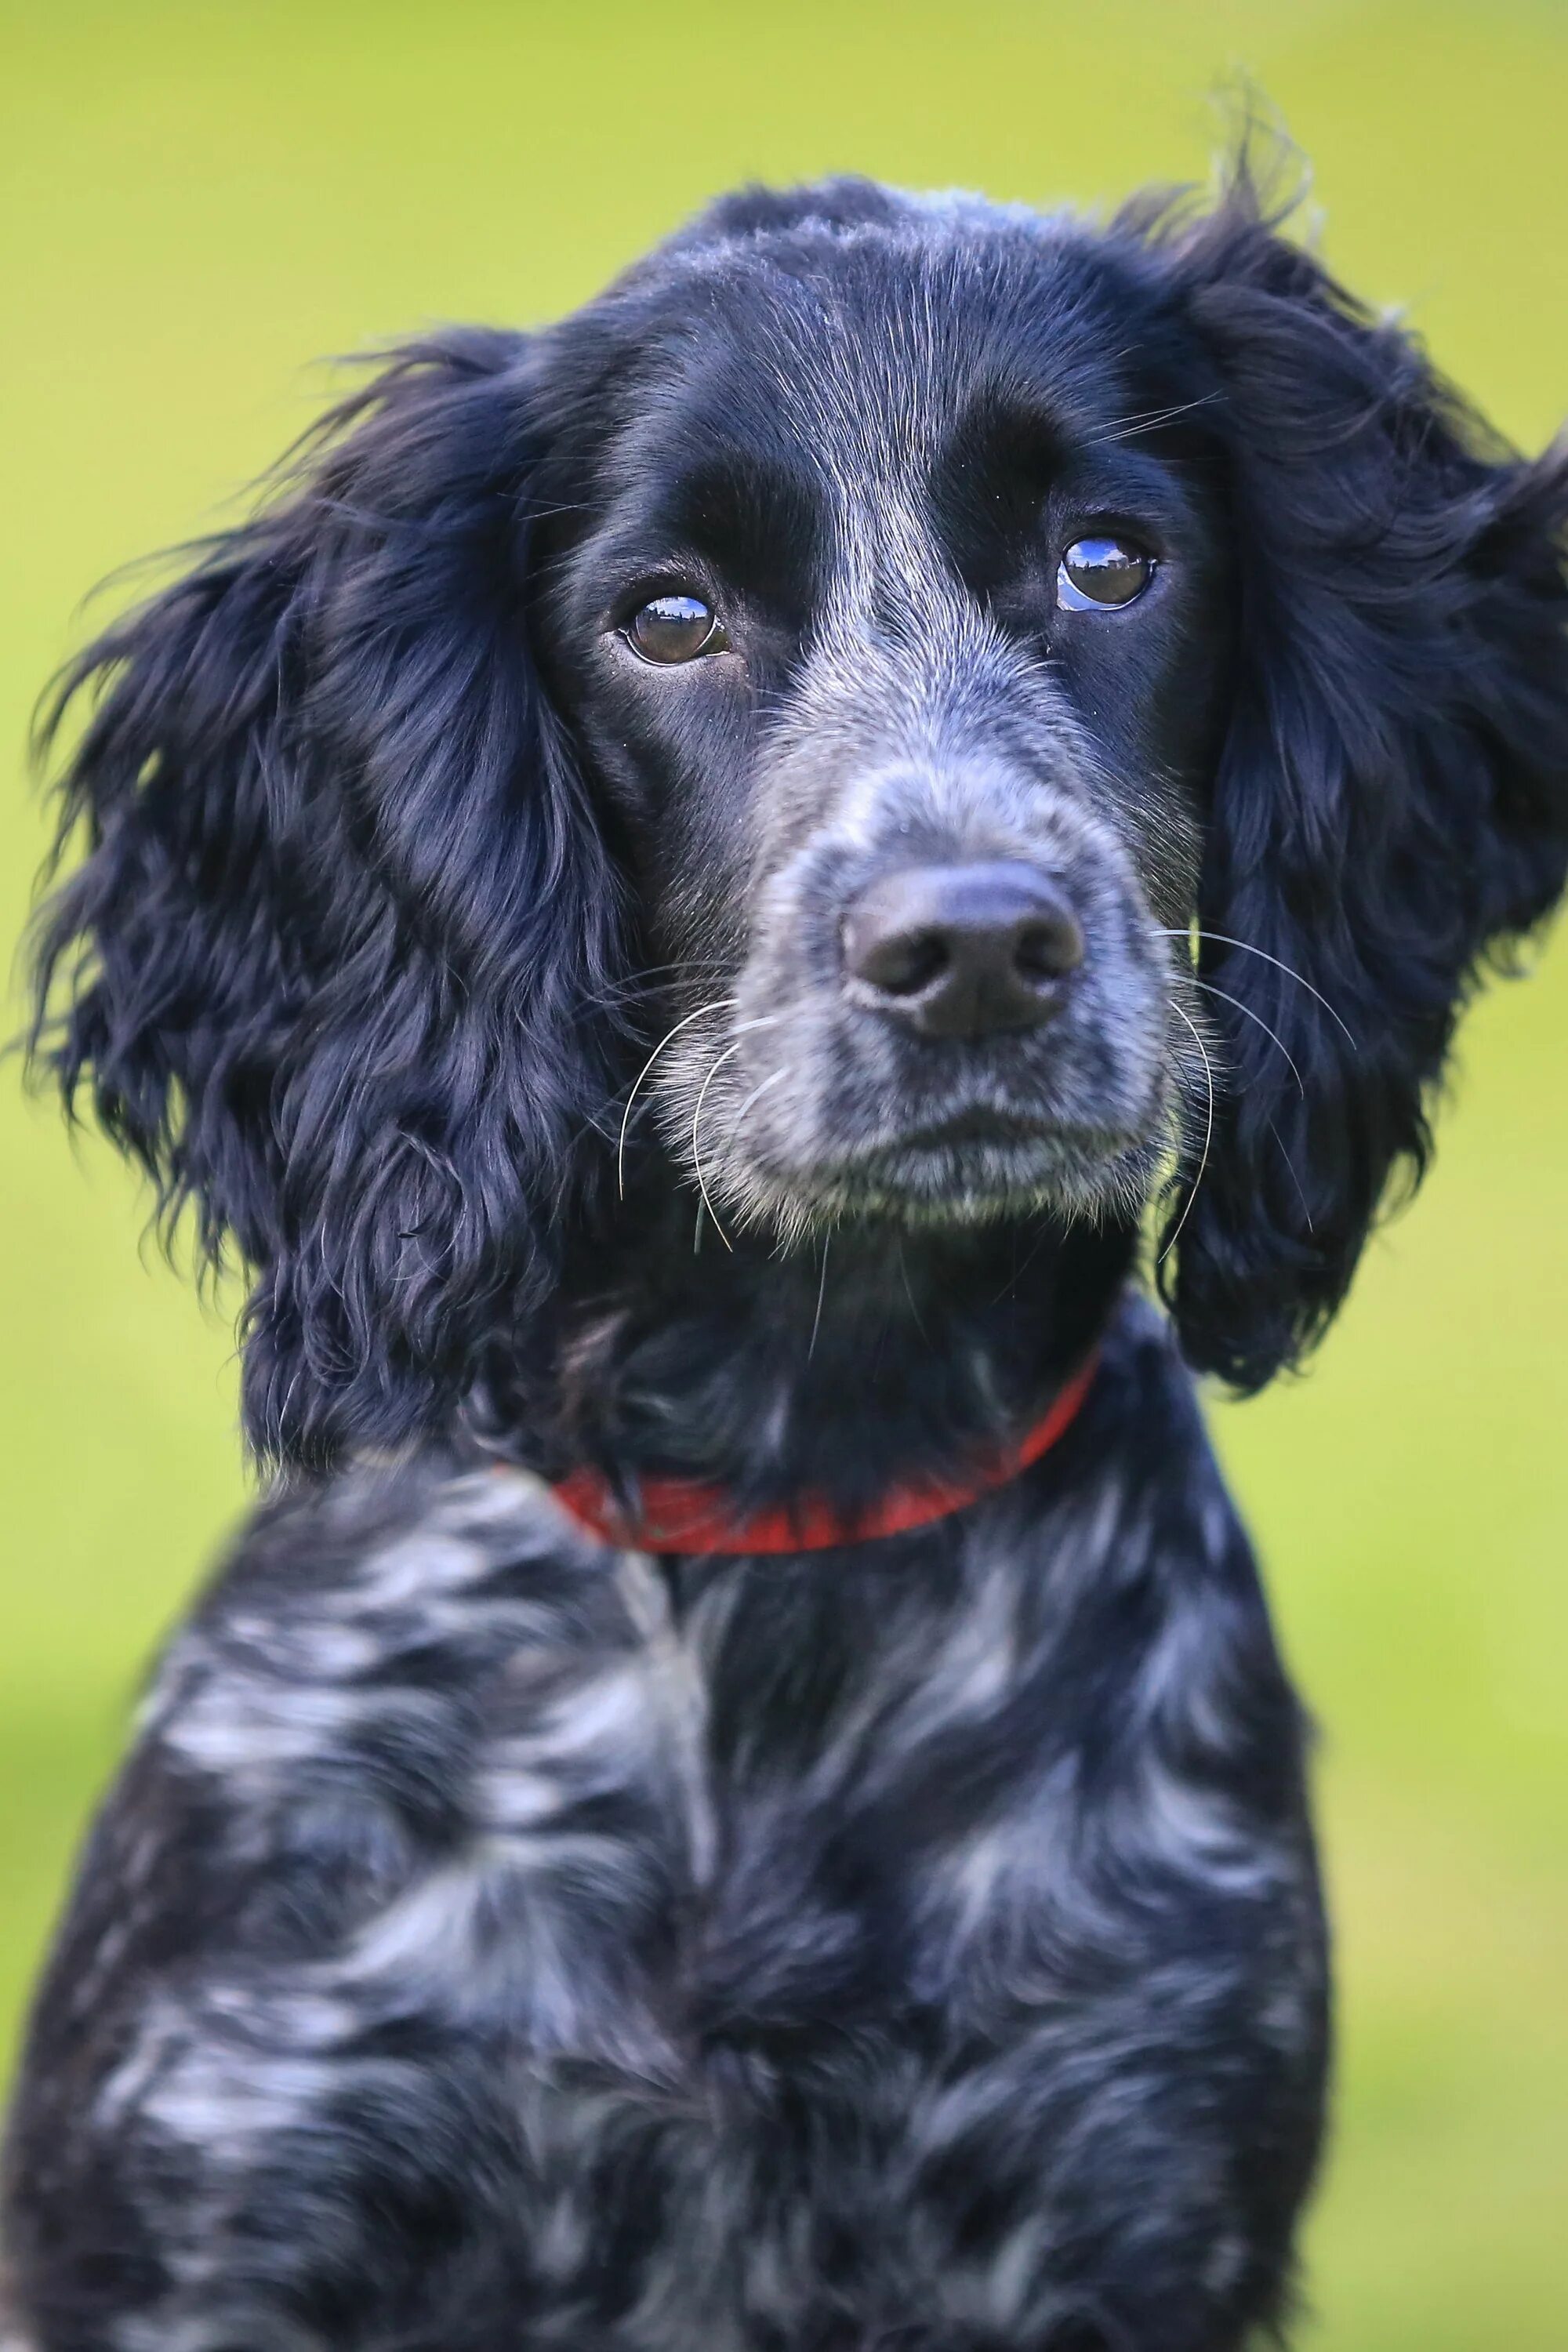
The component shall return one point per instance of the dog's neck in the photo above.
(839, 1366)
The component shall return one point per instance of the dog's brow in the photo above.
(1002, 428)
(758, 521)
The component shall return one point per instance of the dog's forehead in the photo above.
(856, 358)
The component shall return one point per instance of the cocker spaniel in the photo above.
(680, 897)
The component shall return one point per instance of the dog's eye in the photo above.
(1100, 572)
(674, 628)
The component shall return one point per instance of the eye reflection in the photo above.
(1098, 572)
(675, 627)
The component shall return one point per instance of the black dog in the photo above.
(675, 898)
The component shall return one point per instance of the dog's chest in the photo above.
(743, 1920)
(716, 1809)
(570, 1797)
(688, 1811)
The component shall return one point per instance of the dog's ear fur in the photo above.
(1391, 806)
(330, 968)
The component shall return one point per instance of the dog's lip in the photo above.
(975, 1124)
(978, 1137)
(960, 1162)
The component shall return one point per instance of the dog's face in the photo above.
(960, 713)
(889, 605)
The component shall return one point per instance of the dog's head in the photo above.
(1007, 711)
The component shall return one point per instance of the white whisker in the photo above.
(1208, 1137)
(717, 1005)
(1289, 970)
(908, 1293)
(714, 1069)
(1290, 1171)
(1247, 1012)
(821, 1294)
(733, 1129)
(1122, 428)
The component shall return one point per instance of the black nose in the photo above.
(963, 951)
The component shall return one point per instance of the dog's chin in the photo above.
(971, 1173)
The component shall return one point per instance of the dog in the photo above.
(710, 899)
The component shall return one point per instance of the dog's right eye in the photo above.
(1102, 572)
(674, 628)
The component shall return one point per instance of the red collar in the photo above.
(685, 1516)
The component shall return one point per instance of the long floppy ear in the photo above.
(331, 964)
(1391, 806)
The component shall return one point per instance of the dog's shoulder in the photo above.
(379, 1534)
(401, 1681)
(361, 1624)
(311, 1734)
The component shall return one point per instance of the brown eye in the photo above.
(1100, 572)
(674, 628)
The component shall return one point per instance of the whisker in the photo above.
(638, 985)
(1210, 989)
(1122, 428)
(743, 1029)
(716, 1006)
(1290, 1171)
(1225, 938)
(1247, 1014)
(1208, 1137)
(714, 1069)
(821, 1294)
(908, 1293)
(1011, 1286)
(733, 1128)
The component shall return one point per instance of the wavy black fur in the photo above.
(341, 950)
(499, 1943)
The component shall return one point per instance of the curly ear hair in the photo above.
(335, 963)
(1390, 805)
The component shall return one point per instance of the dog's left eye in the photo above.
(674, 628)
(1102, 570)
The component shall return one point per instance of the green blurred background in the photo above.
(200, 199)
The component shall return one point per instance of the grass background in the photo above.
(200, 199)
